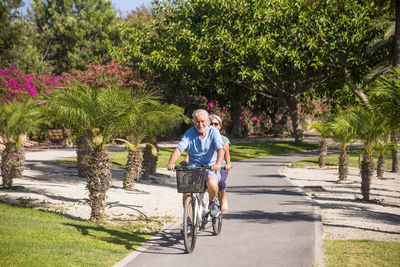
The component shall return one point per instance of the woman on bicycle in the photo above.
(216, 121)
(205, 147)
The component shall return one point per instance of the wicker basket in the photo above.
(190, 180)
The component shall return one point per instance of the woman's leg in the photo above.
(222, 190)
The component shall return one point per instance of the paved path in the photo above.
(271, 222)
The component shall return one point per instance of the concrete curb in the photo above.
(131, 256)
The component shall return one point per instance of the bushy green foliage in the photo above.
(73, 32)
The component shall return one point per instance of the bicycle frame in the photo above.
(201, 208)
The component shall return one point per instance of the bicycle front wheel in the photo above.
(189, 224)
(217, 221)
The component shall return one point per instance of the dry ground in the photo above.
(344, 214)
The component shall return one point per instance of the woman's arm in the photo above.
(228, 165)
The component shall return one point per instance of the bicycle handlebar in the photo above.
(178, 167)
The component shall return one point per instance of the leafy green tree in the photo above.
(10, 33)
(73, 32)
(342, 132)
(131, 38)
(343, 31)
(99, 116)
(200, 48)
(17, 119)
(277, 49)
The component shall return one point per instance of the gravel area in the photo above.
(344, 214)
(58, 188)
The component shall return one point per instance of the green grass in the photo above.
(37, 238)
(333, 160)
(243, 151)
(240, 151)
(361, 253)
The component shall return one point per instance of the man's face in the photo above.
(201, 124)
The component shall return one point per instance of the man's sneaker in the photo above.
(214, 210)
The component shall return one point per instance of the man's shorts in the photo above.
(214, 174)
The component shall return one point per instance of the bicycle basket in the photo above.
(190, 180)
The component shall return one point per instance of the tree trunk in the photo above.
(149, 165)
(12, 163)
(295, 116)
(381, 166)
(353, 87)
(367, 168)
(343, 165)
(132, 168)
(396, 52)
(323, 148)
(395, 161)
(236, 114)
(99, 178)
(83, 152)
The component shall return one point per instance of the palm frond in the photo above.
(322, 127)
(385, 97)
(18, 118)
(368, 127)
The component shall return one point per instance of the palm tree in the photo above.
(82, 153)
(149, 164)
(154, 118)
(169, 117)
(382, 147)
(386, 100)
(368, 129)
(16, 119)
(98, 115)
(342, 133)
(322, 127)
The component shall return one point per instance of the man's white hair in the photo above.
(200, 112)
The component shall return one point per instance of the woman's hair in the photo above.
(200, 112)
(215, 117)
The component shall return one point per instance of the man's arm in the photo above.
(220, 157)
(174, 157)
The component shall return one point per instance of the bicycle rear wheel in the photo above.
(189, 224)
(217, 221)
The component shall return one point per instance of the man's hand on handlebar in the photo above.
(183, 163)
(215, 167)
(228, 167)
(171, 166)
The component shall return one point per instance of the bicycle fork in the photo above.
(201, 211)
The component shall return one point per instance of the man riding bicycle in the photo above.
(205, 147)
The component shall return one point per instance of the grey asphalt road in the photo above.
(271, 222)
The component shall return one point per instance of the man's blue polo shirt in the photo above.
(201, 151)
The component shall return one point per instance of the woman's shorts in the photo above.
(222, 182)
